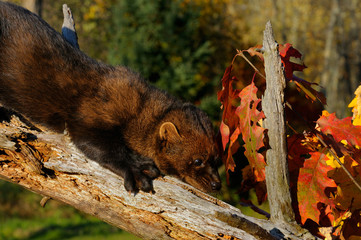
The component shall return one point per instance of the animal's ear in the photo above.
(169, 132)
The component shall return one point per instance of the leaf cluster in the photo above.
(323, 153)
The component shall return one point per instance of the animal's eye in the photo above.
(198, 162)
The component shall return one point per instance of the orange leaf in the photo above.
(224, 129)
(340, 129)
(312, 184)
(252, 133)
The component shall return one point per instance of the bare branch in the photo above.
(240, 53)
(68, 29)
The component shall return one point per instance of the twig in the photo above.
(249, 203)
(44, 200)
(240, 53)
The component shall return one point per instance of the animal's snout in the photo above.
(216, 186)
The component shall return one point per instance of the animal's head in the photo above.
(187, 149)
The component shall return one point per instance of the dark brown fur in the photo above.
(113, 115)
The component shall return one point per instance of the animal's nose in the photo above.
(216, 186)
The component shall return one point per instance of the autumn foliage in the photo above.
(323, 155)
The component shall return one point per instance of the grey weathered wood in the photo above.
(49, 164)
(273, 103)
(68, 29)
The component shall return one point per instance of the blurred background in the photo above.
(184, 46)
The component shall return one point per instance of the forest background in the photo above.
(184, 48)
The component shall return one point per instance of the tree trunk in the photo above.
(339, 78)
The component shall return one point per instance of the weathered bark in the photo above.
(49, 164)
(341, 71)
(273, 103)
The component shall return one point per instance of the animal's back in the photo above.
(39, 71)
(48, 80)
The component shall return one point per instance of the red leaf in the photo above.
(291, 60)
(340, 129)
(252, 133)
(249, 182)
(312, 183)
(286, 52)
(296, 152)
(230, 120)
(232, 149)
(227, 97)
(223, 94)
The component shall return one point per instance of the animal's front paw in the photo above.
(151, 171)
(140, 179)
